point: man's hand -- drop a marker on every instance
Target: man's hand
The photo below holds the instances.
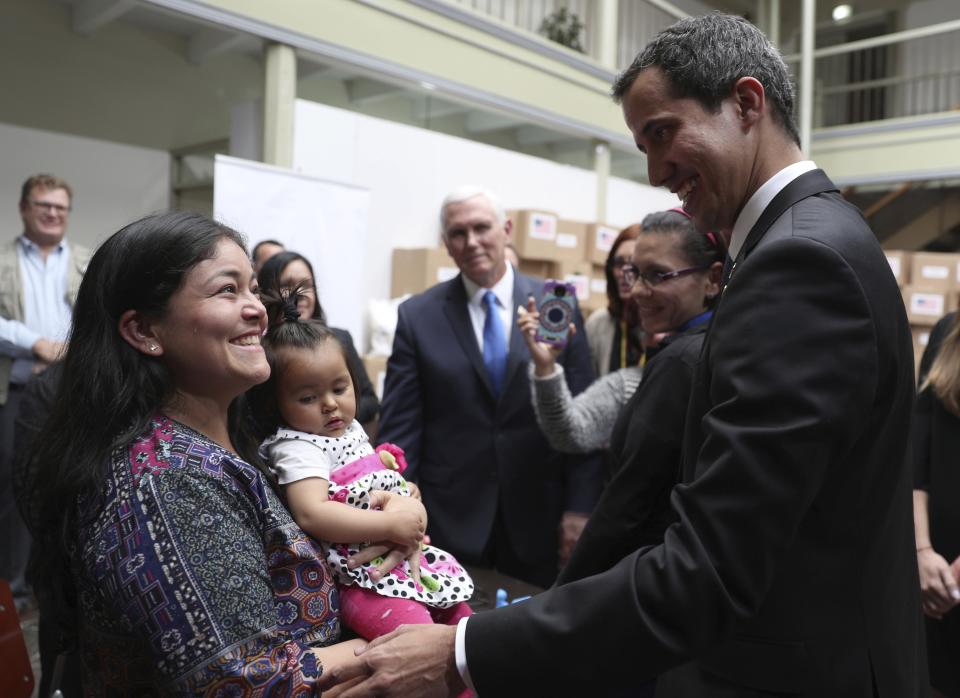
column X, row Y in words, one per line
column 414, row 661
column 571, row 526
column 47, row 350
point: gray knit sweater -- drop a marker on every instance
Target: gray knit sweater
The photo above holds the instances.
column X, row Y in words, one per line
column 583, row 423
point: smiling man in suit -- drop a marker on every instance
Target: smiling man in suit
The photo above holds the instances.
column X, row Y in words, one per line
column 790, row 569
column 457, row 399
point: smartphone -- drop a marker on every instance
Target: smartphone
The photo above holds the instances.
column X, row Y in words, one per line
column 556, row 312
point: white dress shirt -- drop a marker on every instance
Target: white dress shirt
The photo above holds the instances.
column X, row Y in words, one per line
column 503, row 290
column 761, row 198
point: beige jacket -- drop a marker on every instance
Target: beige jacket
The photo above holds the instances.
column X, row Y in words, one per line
column 11, row 294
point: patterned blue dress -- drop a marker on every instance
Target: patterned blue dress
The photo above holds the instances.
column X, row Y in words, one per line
column 193, row 579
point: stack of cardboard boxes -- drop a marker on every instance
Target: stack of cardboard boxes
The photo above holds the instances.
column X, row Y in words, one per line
column 930, row 282
column 549, row 247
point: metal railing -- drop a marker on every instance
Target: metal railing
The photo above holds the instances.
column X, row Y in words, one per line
column 528, row 14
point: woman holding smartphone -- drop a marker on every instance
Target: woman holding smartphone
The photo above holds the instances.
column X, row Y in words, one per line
column 674, row 279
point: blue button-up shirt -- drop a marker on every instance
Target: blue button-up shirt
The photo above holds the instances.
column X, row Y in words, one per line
column 46, row 312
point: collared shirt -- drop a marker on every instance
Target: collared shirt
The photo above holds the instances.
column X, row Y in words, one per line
column 503, row 290
column 46, row 312
column 761, row 198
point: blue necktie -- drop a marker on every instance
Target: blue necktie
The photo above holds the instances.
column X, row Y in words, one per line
column 494, row 343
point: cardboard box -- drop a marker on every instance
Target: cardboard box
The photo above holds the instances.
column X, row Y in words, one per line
column 578, row 274
column 417, row 269
column 927, row 304
column 600, row 237
column 598, row 288
column 900, row 261
column 535, row 234
column 376, row 367
column 934, row 270
column 537, row 268
column 571, row 240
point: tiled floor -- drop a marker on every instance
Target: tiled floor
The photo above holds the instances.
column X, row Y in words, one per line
column 29, row 625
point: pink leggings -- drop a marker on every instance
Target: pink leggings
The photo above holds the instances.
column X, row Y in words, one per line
column 371, row 615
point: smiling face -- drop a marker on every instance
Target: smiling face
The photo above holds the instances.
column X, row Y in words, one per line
column 476, row 240
column 44, row 215
column 706, row 158
column 297, row 272
column 315, row 391
column 671, row 303
column 209, row 335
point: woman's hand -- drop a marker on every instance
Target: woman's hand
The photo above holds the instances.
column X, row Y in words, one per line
column 544, row 355
column 938, row 586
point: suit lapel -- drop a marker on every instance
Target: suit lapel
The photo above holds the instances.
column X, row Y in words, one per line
column 455, row 308
column 519, row 354
column 806, row 185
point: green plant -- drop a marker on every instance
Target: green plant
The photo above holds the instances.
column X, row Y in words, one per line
column 564, row 27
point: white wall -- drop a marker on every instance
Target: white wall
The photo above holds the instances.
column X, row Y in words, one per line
column 112, row 184
column 408, row 171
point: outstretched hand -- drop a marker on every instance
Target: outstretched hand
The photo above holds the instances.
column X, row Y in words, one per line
column 414, row 661
column 544, row 355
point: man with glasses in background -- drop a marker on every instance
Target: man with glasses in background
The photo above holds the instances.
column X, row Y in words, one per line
column 39, row 278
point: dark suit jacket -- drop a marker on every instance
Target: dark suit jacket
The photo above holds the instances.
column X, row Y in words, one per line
column 791, row 568
column 469, row 451
column 646, row 447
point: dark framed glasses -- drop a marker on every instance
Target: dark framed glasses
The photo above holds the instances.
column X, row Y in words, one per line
column 654, row 278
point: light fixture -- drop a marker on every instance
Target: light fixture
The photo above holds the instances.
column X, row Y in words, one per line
column 842, row 12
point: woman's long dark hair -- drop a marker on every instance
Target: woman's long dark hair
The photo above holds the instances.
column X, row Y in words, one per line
column 108, row 390
column 272, row 270
column 615, row 304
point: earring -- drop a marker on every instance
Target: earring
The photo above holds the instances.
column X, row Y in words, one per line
column 153, row 347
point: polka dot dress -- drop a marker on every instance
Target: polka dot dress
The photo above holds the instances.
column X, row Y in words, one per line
column 444, row 582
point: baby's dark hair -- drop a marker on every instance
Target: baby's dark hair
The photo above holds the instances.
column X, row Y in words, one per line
column 287, row 331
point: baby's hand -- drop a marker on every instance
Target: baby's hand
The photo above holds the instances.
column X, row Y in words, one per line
column 408, row 521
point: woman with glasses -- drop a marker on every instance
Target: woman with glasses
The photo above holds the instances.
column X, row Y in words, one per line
column 674, row 279
column 613, row 333
column 290, row 269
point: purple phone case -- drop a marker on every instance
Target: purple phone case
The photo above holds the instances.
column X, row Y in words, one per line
column 556, row 312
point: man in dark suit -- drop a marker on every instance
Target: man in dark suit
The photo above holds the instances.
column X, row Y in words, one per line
column 790, row 570
column 457, row 399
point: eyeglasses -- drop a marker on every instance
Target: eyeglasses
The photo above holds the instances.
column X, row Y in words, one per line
column 654, row 278
column 619, row 262
column 56, row 208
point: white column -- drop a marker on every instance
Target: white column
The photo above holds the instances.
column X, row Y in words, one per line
column 279, row 93
column 806, row 74
column 606, row 23
column 774, row 19
column 601, row 165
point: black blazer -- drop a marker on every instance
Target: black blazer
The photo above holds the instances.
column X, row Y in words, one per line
column 645, row 452
column 791, row 567
column 470, row 452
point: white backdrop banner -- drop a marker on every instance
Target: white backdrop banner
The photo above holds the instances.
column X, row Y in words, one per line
column 324, row 221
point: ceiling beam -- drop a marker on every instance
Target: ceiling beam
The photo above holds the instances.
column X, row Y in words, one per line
column 427, row 107
column 482, row 122
column 364, row 91
column 886, row 200
column 210, row 43
column 537, row 135
column 91, row 15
